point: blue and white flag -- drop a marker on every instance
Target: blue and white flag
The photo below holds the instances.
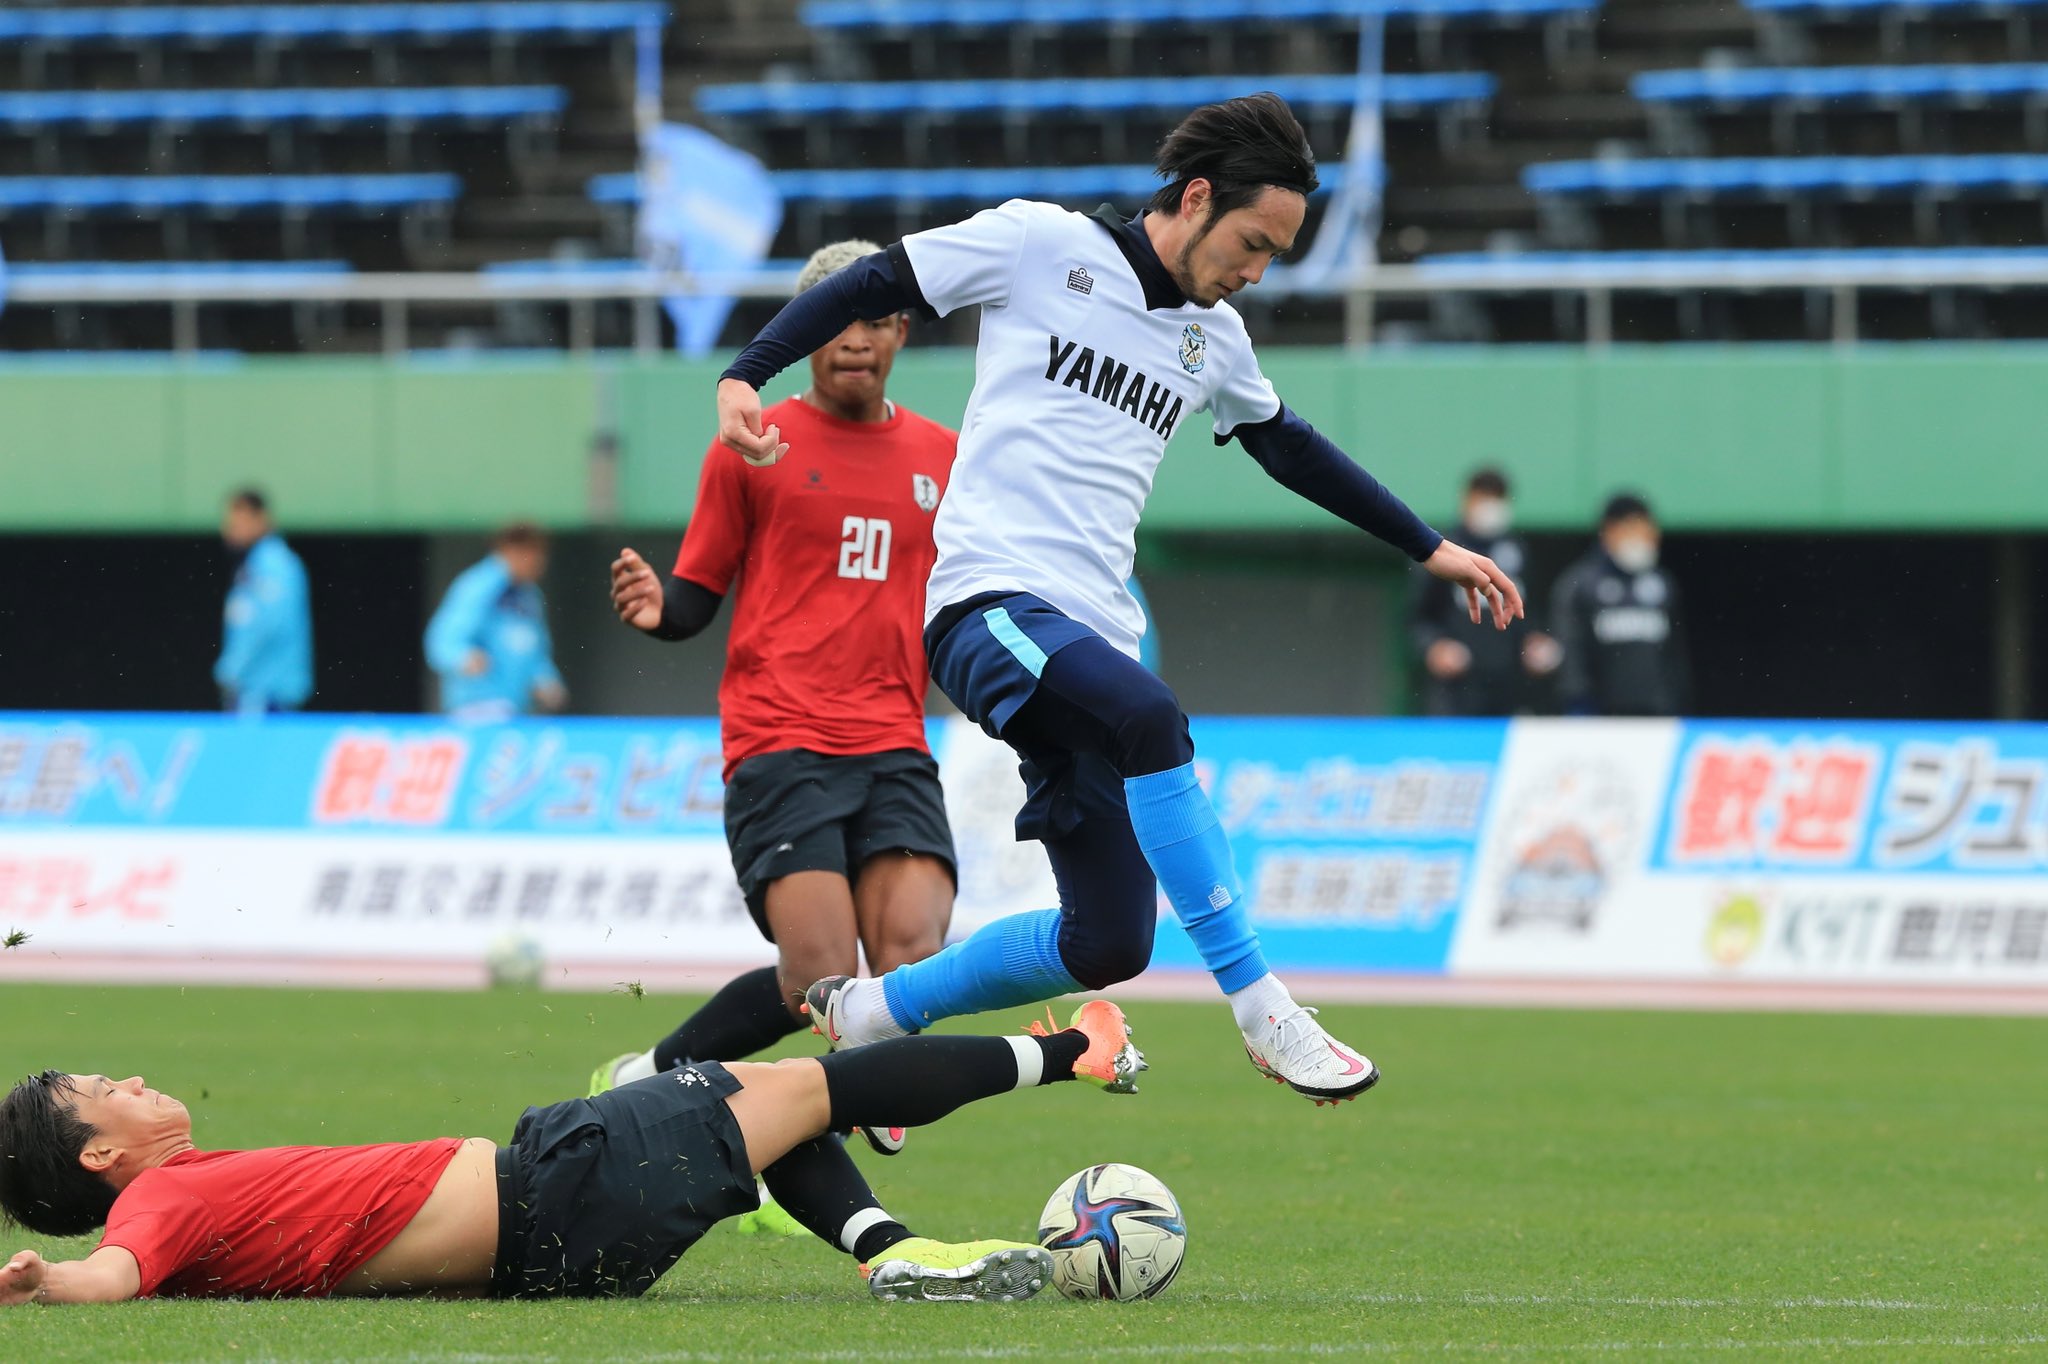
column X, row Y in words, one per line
column 1348, row 240
column 708, row 209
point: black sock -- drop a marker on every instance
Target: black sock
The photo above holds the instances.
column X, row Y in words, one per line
column 818, row 1184
column 744, row 1017
column 911, row 1081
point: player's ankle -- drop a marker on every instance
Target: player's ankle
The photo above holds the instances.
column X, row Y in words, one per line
column 1263, row 998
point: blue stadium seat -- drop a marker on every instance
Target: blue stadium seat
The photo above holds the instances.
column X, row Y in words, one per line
column 988, row 184
column 1874, row 6
column 224, row 194
column 606, row 266
column 53, row 108
column 216, row 23
column 1856, row 176
column 206, row 269
column 1530, row 265
column 1859, row 84
column 802, row 98
column 859, row 14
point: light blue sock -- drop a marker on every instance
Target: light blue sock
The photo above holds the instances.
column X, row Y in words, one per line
column 1183, row 840
column 1015, row 960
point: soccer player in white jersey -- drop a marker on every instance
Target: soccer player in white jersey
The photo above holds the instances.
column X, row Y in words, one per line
column 1099, row 336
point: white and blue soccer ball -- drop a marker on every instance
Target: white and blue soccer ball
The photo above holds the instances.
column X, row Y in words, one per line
column 515, row 962
column 1114, row 1232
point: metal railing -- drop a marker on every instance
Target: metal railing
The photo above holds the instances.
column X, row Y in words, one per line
column 397, row 294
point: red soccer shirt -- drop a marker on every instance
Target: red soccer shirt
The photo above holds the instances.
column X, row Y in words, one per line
column 282, row 1221
column 831, row 548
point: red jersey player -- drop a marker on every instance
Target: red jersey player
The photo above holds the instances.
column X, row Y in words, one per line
column 590, row 1198
column 833, row 809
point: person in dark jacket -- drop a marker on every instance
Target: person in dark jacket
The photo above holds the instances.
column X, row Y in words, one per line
column 1475, row 669
column 1617, row 615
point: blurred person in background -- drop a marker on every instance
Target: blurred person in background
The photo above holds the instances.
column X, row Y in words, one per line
column 1474, row 669
column 1616, row 614
column 833, row 808
column 266, row 654
column 489, row 640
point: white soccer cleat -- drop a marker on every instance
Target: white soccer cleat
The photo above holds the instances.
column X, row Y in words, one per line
column 825, row 1003
column 1291, row 1048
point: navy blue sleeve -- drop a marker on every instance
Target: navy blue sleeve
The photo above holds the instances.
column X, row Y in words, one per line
column 1303, row 460
column 871, row 287
column 686, row 608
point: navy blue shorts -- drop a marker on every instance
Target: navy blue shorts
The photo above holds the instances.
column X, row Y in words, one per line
column 987, row 654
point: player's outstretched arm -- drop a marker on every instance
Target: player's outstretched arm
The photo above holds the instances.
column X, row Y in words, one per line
column 1303, row 460
column 109, row 1274
column 868, row 288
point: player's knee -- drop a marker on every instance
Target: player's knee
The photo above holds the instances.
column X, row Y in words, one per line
column 901, row 944
column 1152, row 733
column 1098, row 961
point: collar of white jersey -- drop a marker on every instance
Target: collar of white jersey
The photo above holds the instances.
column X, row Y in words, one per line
column 1129, row 234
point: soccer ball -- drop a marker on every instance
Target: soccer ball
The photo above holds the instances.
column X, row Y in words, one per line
column 1114, row 1232
column 515, row 962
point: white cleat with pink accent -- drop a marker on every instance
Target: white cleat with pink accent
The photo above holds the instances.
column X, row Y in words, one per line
column 1291, row 1048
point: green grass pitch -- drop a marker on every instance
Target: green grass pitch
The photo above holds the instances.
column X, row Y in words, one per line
column 1522, row 1185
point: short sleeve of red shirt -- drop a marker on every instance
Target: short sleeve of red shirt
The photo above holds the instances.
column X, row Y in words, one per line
column 164, row 1227
column 716, row 540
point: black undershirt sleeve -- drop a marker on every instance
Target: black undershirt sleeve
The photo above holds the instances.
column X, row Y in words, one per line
column 870, row 288
column 686, row 608
column 1304, row 461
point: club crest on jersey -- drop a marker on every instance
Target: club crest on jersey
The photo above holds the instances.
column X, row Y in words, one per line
column 925, row 489
column 1194, row 348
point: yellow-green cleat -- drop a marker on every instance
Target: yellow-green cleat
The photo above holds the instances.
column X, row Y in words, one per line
column 923, row 1270
column 606, row 1076
column 770, row 1219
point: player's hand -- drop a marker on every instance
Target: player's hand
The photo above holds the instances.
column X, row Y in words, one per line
column 1446, row 659
column 475, row 663
column 739, row 425
column 21, row 1278
column 1481, row 578
column 551, row 696
column 636, row 591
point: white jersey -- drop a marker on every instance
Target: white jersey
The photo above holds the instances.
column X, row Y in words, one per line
column 1077, row 386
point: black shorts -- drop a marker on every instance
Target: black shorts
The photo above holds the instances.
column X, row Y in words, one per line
column 598, row 1197
column 795, row 810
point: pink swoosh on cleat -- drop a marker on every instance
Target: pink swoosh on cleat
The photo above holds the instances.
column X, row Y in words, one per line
column 1352, row 1065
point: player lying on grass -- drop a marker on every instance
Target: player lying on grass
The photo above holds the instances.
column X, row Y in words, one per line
column 1099, row 336
column 591, row 1198
column 833, row 809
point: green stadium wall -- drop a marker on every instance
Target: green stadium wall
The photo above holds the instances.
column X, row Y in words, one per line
column 1870, row 437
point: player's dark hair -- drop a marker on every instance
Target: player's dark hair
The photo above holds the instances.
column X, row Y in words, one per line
column 1487, row 482
column 42, row 1185
column 1240, row 147
column 520, row 535
column 250, row 498
column 1625, row 507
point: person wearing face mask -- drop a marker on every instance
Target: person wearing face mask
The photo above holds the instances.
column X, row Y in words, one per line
column 1472, row 669
column 266, row 655
column 1617, row 616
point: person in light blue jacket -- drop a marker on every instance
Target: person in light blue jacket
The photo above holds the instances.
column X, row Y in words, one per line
column 266, row 654
column 489, row 638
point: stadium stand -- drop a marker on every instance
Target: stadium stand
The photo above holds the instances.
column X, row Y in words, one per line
column 325, row 22
column 1775, row 135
